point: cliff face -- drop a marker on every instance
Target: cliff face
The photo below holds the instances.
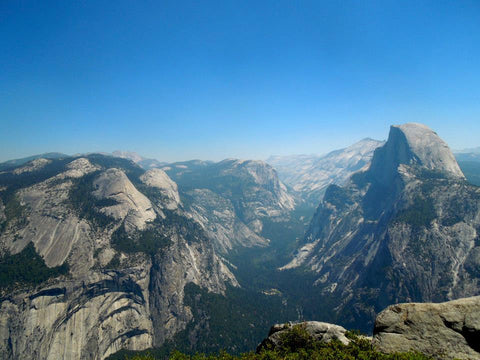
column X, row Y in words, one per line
column 129, row 248
column 406, row 229
column 83, row 319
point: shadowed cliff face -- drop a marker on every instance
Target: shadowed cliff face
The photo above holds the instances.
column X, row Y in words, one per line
column 406, row 229
column 77, row 320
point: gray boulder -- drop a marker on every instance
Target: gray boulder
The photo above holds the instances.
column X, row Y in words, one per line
column 319, row 331
column 449, row 330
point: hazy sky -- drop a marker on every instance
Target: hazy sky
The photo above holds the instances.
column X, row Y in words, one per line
column 177, row 80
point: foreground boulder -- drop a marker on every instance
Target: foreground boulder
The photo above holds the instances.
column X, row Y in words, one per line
column 319, row 331
column 449, row 330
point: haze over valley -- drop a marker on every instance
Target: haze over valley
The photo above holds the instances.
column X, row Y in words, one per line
column 174, row 248
column 241, row 180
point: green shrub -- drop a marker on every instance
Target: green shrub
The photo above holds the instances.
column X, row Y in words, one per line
column 295, row 339
column 298, row 344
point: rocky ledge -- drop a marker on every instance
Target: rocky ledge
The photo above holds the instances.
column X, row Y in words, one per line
column 319, row 331
column 449, row 330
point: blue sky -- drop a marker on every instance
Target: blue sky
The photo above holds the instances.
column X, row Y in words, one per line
column 178, row 80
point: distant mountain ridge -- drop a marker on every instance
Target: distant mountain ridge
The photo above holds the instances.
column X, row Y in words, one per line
column 17, row 162
column 310, row 175
column 475, row 150
column 468, row 155
column 145, row 163
column 462, row 157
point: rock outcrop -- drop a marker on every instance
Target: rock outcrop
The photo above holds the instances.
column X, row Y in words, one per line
column 159, row 180
column 413, row 145
column 49, row 222
column 129, row 203
column 184, row 262
column 32, row 166
column 449, row 330
column 218, row 218
column 263, row 187
column 319, row 331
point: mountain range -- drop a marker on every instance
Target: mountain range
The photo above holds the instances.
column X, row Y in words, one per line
column 104, row 252
column 310, row 175
column 107, row 248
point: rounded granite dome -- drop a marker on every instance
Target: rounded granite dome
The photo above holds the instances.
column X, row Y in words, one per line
column 430, row 150
column 413, row 144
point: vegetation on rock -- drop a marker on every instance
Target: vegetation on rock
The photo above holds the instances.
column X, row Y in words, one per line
column 420, row 213
column 14, row 212
column 81, row 198
column 27, row 267
column 298, row 344
column 148, row 241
